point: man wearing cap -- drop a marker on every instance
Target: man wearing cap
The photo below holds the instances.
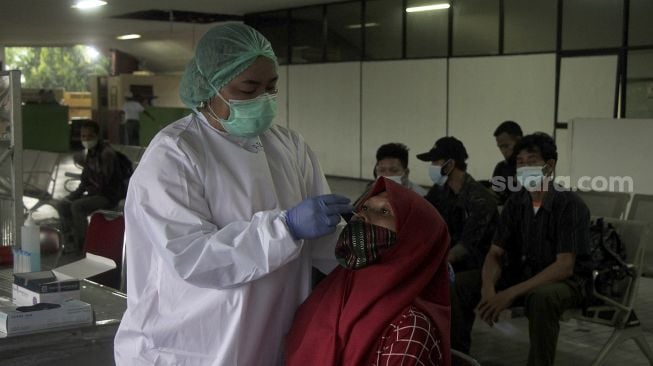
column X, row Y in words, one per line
column 469, row 209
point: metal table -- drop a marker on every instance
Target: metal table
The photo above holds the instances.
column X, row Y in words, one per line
column 75, row 346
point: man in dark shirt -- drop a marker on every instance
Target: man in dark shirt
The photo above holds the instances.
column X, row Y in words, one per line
column 507, row 135
column 101, row 187
column 469, row 209
column 544, row 235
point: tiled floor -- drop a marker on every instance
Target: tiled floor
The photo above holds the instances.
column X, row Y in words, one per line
column 507, row 343
column 578, row 343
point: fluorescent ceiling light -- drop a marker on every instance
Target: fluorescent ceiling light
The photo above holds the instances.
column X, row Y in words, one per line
column 89, row 4
column 129, row 36
column 416, row 9
column 367, row 25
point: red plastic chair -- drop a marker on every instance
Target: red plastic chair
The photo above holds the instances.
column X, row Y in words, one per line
column 104, row 237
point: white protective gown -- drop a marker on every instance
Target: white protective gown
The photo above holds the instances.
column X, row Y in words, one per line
column 214, row 276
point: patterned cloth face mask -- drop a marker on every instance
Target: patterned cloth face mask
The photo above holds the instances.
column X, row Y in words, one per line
column 360, row 244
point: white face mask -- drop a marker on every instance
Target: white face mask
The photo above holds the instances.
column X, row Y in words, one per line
column 397, row 178
column 89, row 144
column 531, row 177
column 435, row 172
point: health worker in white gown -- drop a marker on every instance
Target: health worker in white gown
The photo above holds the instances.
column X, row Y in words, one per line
column 225, row 216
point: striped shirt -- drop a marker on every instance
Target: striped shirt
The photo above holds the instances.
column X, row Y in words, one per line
column 532, row 240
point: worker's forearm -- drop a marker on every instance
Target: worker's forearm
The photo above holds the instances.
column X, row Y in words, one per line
column 556, row 271
column 491, row 271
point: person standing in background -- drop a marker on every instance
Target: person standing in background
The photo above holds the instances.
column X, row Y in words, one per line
column 130, row 127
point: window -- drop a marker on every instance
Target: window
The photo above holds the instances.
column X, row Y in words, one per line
column 344, row 36
column 641, row 23
column 639, row 84
column 475, row 27
column 427, row 32
column 307, row 41
column 274, row 26
column 529, row 26
column 383, row 29
column 591, row 24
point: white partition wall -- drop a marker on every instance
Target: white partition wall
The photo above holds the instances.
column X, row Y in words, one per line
column 282, row 97
column 563, row 166
column 347, row 110
column 403, row 101
column 485, row 91
column 587, row 86
column 325, row 108
column 609, row 154
column 587, row 89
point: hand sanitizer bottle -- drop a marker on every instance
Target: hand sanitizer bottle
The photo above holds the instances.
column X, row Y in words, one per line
column 31, row 243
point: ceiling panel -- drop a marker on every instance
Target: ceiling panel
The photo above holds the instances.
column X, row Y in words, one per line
column 164, row 47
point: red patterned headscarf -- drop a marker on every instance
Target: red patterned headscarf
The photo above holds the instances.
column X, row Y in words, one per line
column 342, row 321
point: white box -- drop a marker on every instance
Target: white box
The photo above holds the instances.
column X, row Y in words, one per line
column 16, row 320
column 58, row 285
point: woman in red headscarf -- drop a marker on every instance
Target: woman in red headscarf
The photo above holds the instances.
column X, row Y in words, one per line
column 388, row 302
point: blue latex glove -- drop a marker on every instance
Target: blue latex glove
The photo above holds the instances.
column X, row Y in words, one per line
column 317, row 216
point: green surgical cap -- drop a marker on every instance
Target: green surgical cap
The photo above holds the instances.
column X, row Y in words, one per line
column 221, row 54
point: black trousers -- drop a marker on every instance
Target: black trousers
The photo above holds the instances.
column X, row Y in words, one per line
column 543, row 307
column 130, row 132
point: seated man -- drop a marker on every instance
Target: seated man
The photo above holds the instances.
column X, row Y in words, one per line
column 392, row 163
column 101, row 187
column 469, row 209
column 544, row 233
column 507, row 135
column 387, row 302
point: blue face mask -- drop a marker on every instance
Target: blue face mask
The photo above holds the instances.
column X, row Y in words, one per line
column 435, row 172
column 530, row 177
column 248, row 118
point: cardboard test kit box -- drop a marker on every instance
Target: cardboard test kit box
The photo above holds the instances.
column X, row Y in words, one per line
column 17, row 320
column 58, row 285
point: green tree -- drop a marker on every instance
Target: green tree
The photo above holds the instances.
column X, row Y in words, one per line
column 56, row 67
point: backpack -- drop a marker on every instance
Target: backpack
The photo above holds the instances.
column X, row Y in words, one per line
column 125, row 169
column 608, row 257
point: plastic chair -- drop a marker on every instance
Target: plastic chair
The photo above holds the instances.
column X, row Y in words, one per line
column 641, row 209
column 105, row 237
column 39, row 175
column 619, row 314
column 606, row 204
